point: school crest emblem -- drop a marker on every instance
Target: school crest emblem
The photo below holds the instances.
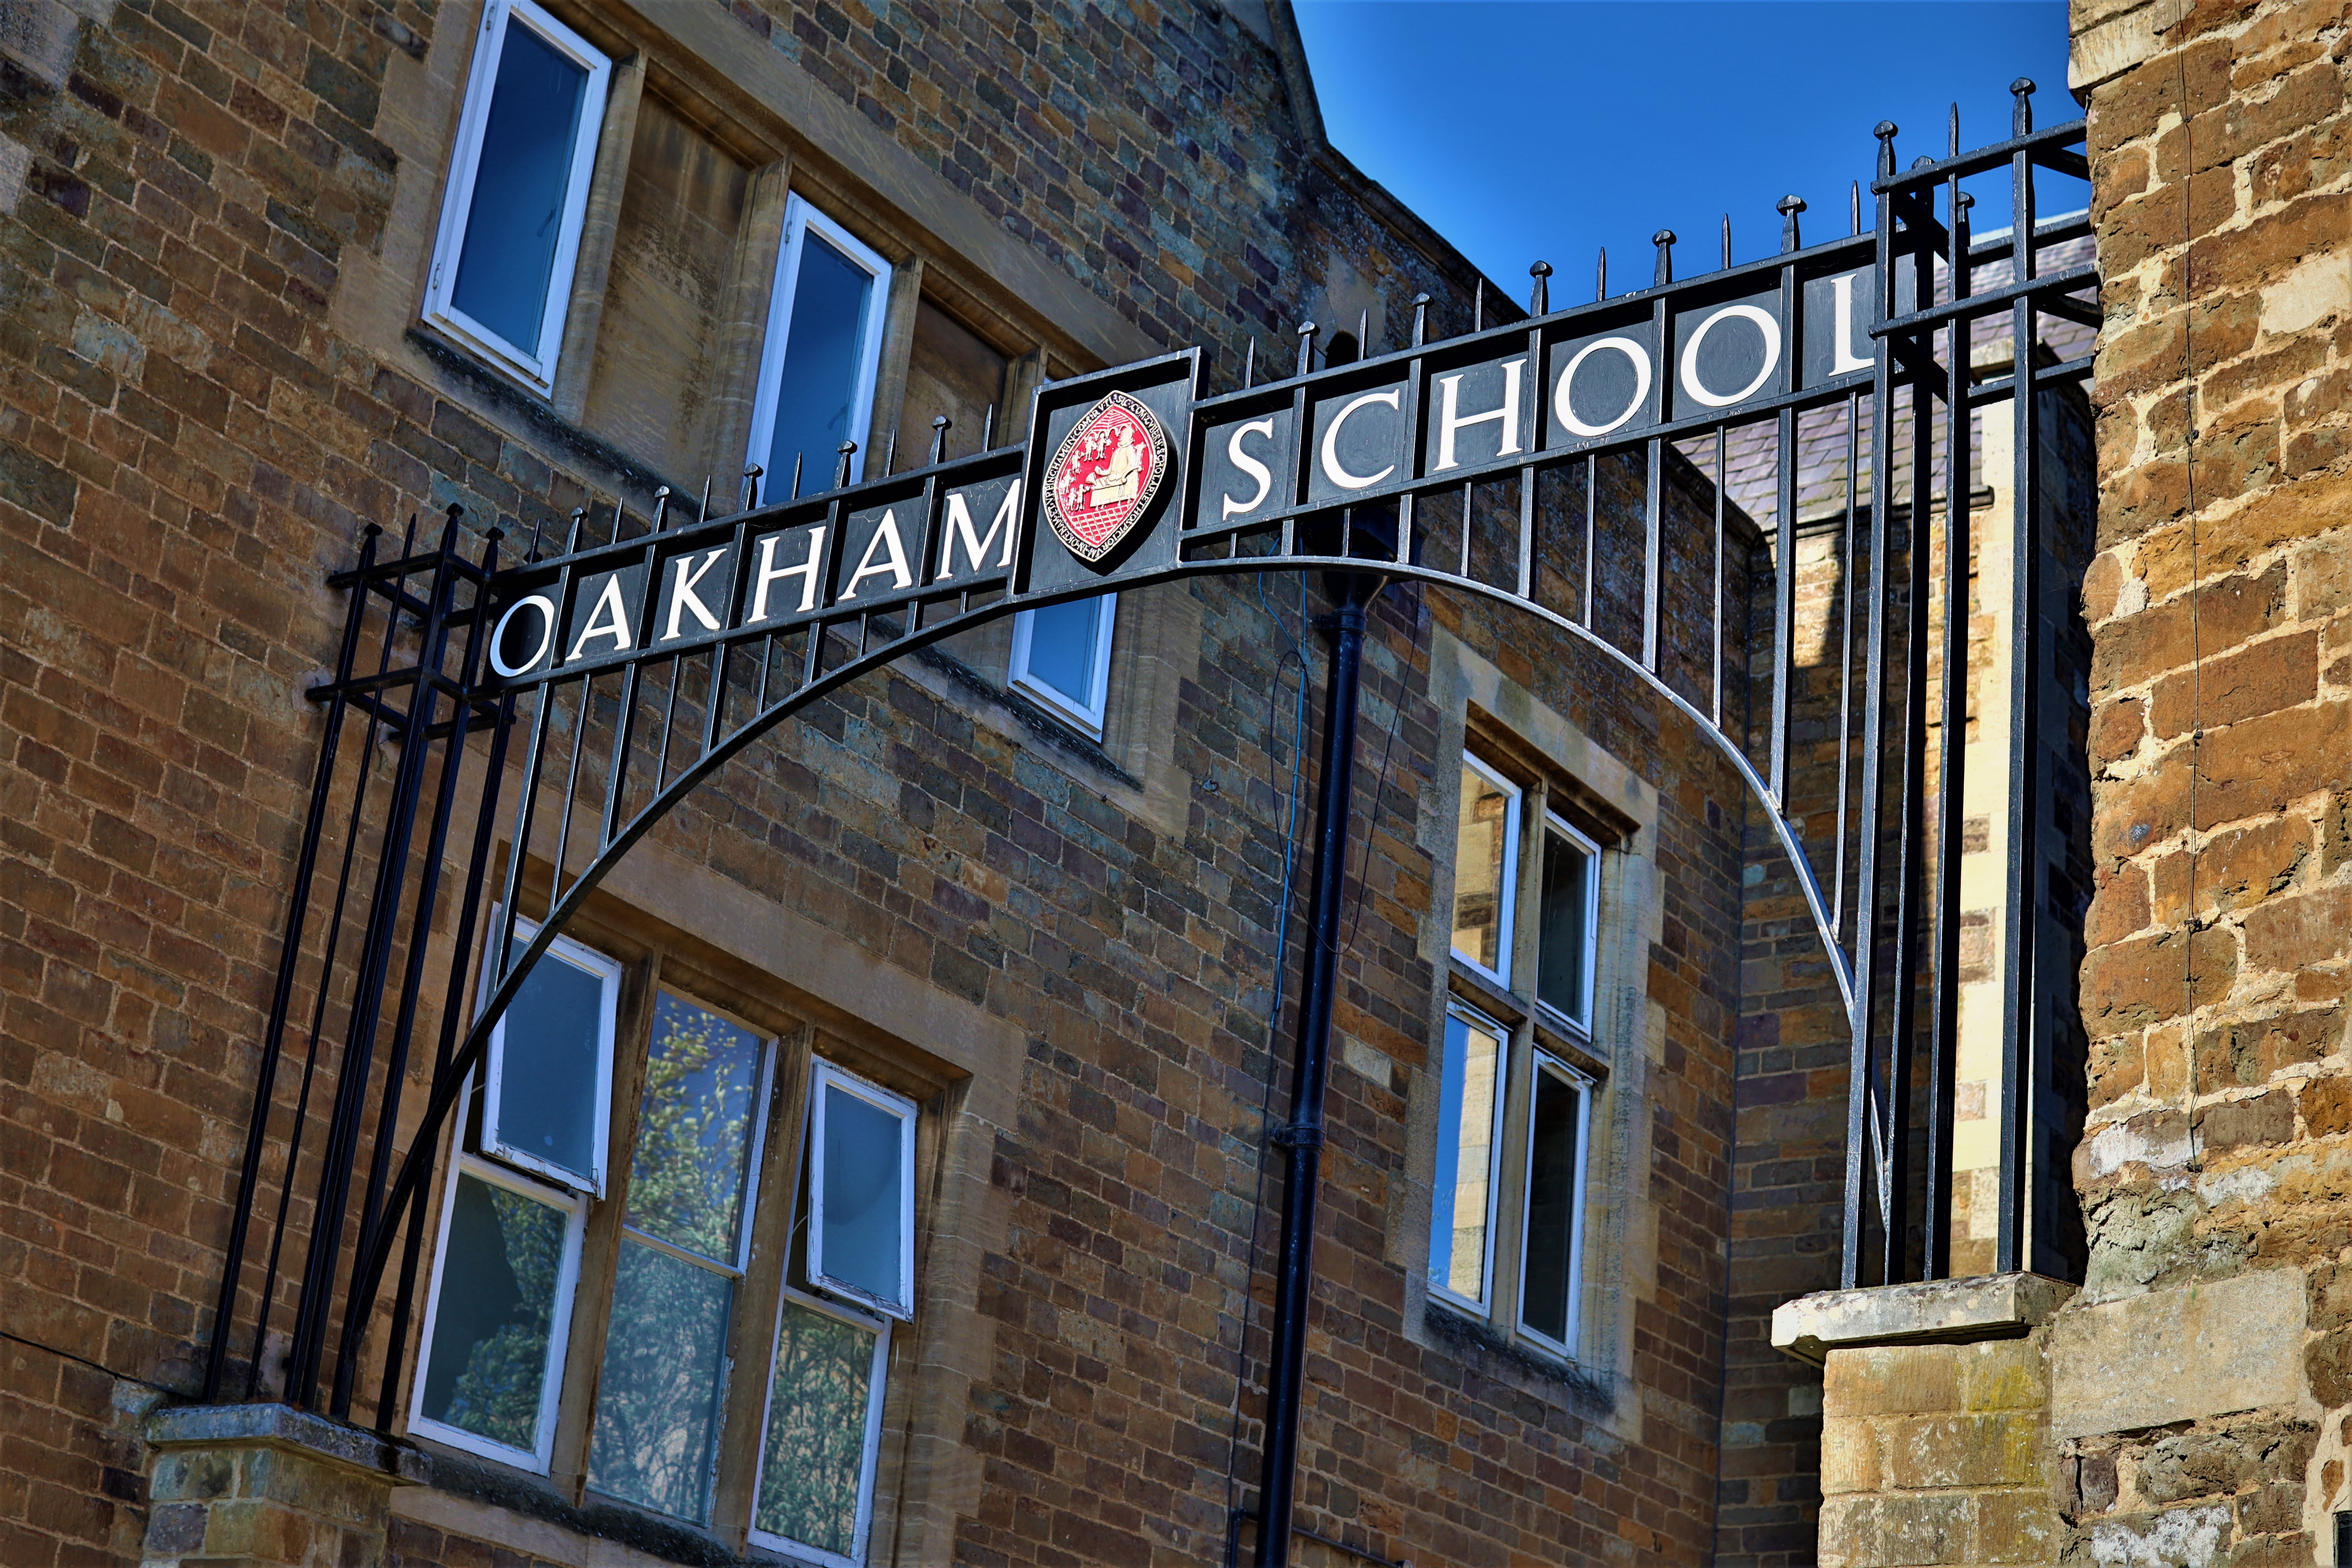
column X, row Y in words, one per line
column 1105, row 475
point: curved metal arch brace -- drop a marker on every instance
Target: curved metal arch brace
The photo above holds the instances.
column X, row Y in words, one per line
column 375, row 1254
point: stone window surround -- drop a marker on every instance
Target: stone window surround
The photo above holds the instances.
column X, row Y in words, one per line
column 817, row 995
column 942, row 245
column 1484, row 711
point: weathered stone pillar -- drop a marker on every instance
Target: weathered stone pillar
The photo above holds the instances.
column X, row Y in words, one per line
column 266, row 1485
column 1936, row 1446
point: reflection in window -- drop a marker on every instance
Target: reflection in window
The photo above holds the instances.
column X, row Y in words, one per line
column 500, row 1295
column 511, row 220
column 1486, row 856
column 1564, row 946
column 1061, row 656
column 1469, row 1102
column 550, row 1066
column 682, row 1247
column 1555, row 1171
column 861, row 1186
column 824, row 339
column 824, row 1405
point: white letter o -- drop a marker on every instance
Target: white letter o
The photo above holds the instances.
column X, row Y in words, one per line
column 1565, row 409
column 546, row 607
column 1765, row 324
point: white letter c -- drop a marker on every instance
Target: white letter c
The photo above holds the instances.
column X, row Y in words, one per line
column 1339, row 476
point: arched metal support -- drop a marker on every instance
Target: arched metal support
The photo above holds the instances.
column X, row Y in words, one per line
column 1477, row 464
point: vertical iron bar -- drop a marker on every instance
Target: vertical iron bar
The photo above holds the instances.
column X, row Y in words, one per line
column 1894, row 1181
column 1861, row 1124
column 433, row 650
column 1943, row 1023
column 1591, row 496
column 1845, row 661
column 359, row 1049
column 1715, row 616
column 281, row 996
column 2021, row 1015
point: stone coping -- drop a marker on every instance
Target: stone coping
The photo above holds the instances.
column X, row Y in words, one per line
column 1945, row 1312
column 281, row 1426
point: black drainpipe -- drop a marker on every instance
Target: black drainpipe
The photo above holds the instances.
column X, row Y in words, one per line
column 1301, row 1138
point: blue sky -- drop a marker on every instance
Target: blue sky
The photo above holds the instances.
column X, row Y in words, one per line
column 1527, row 128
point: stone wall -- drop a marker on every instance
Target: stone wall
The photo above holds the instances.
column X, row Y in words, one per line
column 2213, row 991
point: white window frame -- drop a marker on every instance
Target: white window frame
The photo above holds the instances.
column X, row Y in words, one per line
column 1581, row 1028
column 800, row 217
column 873, row 1445
column 1507, row 889
column 1546, row 1062
column 826, row 1075
column 533, row 363
column 567, row 1280
column 1059, row 703
column 1479, row 1305
column 608, row 971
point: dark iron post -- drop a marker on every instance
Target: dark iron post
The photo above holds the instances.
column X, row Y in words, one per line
column 1301, row 1138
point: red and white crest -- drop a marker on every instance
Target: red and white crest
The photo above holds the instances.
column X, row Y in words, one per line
column 1105, row 475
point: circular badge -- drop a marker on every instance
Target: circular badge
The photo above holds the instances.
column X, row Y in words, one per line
column 1104, row 476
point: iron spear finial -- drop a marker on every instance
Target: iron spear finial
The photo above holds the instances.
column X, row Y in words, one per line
column 847, row 450
column 1665, row 241
column 940, row 425
column 1789, row 207
column 1540, row 299
column 751, row 473
column 1420, row 320
column 2022, row 116
column 1601, row 276
column 1884, row 131
column 1307, row 330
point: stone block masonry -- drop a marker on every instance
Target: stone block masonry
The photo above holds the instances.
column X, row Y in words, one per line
column 2212, row 1166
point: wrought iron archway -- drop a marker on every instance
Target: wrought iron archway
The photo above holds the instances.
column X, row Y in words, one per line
column 1473, row 463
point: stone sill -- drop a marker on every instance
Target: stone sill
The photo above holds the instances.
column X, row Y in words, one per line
column 282, row 1427
column 1934, row 1312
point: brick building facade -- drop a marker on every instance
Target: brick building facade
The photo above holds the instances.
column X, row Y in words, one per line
column 1026, row 899
column 1034, row 914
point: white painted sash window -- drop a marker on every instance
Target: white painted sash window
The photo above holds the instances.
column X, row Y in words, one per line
column 821, row 1430
column 518, row 190
column 1486, row 870
column 500, row 1306
column 1469, row 1151
column 1515, row 1077
column 1061, row 659
column 861, row 1212
column 547, row 1092
column 823, row 348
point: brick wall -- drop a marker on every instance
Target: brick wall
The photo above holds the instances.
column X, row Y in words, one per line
column 189, row 443
column 2213, row 989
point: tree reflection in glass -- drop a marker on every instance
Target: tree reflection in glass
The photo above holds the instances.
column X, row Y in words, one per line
column 657, row 1402
column 813, row 1460
column 486, row 1371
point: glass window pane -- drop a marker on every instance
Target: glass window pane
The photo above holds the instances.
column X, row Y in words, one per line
column 1063, row 640
column 656, row 1403
column 550, row 1049
column 812, row 1464
column 694, row 1129
column 1562, row 964
column 864, row 1200
column 1465, row 1158
column 487, row 1370
column 1482, row 848
column 514, row 226
column 1552, row 1156
column 824, row 347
